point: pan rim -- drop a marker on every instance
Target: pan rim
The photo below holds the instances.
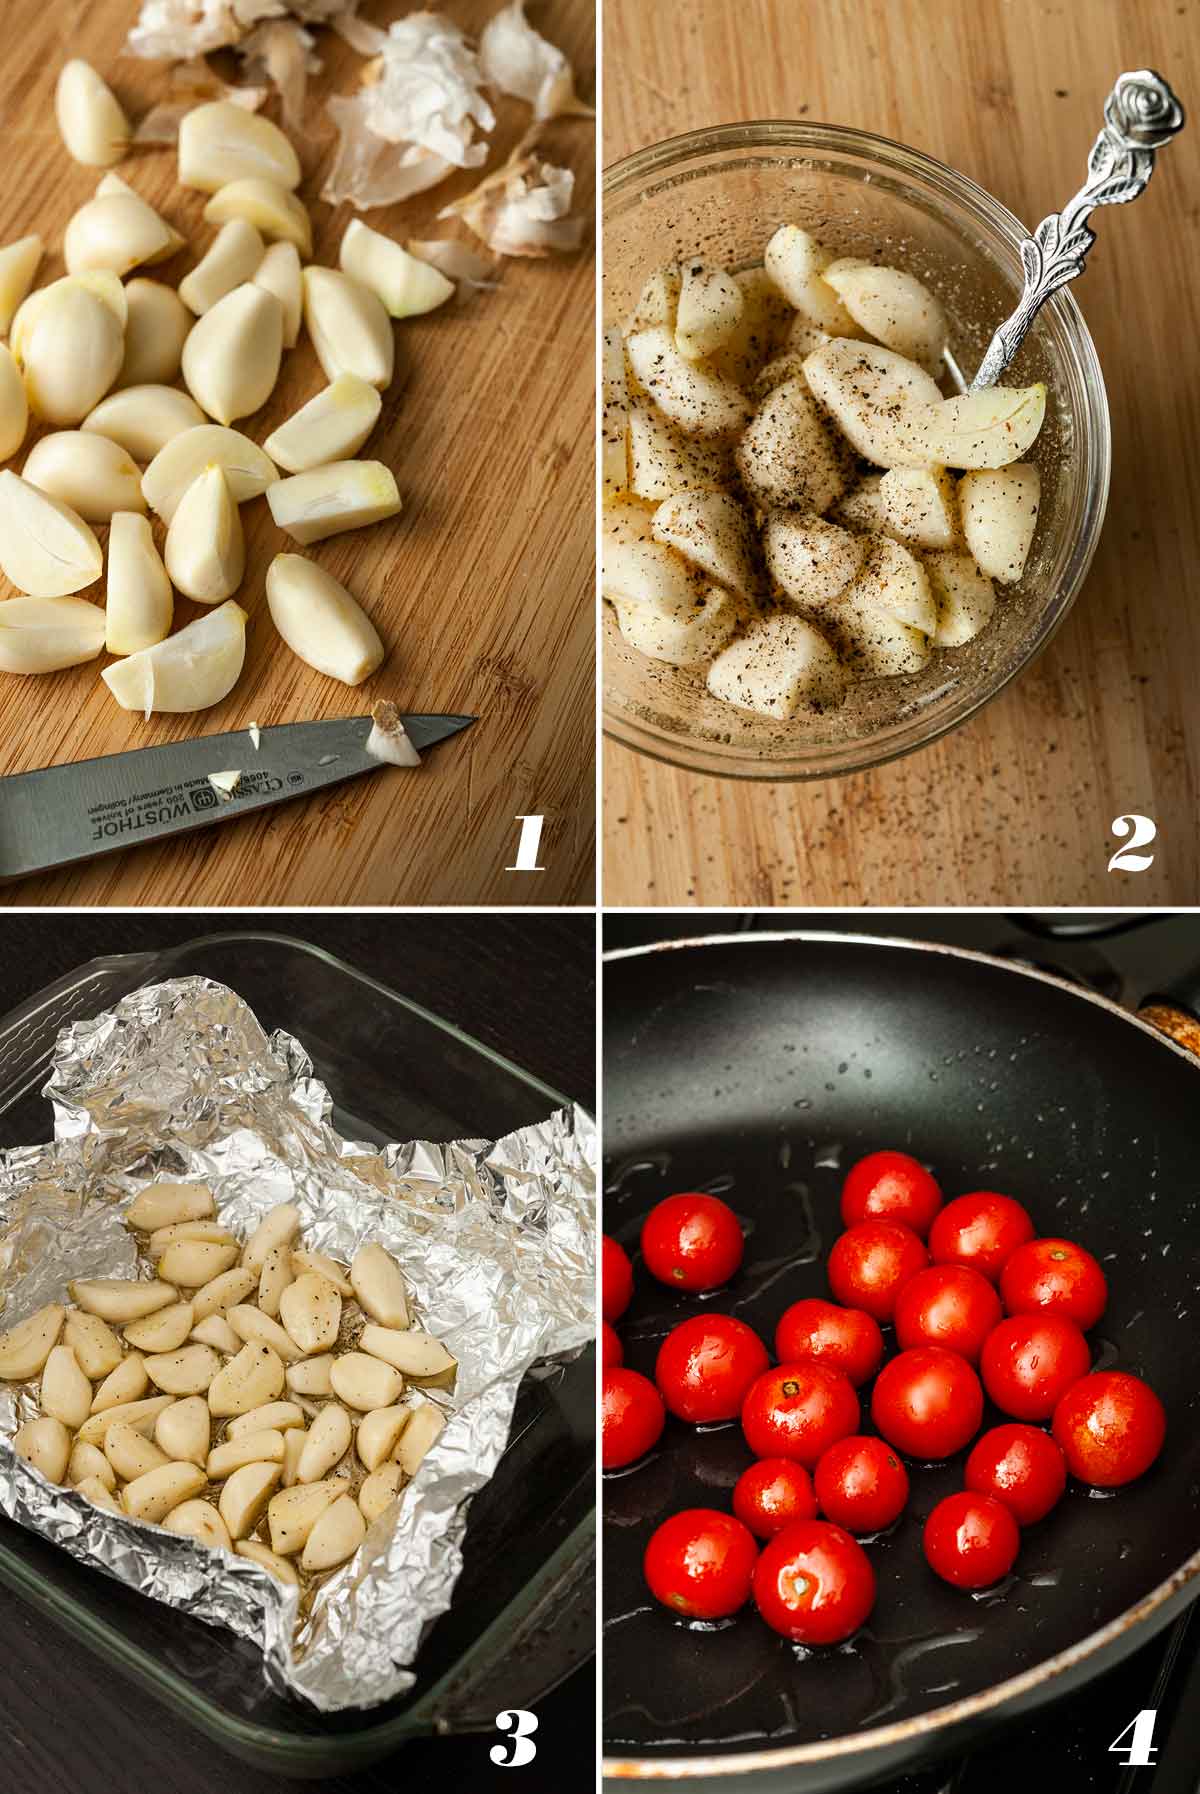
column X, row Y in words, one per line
column 971, row 1706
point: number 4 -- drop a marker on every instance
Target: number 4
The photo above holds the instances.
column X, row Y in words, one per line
column 1140, row 1735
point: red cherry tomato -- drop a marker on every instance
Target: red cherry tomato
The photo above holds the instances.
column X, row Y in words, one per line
column 982, row 1230
column 700, row 1563
column 1021, row 1467
column 871, row 1263
column 846, row 1339
column 814, row 1583
column 890, row 1186
column 692, row 1241
column 616, row 1280
column 947, row 1305
column 632, row 1417
column 1030, row 1360
column 771, row 1494
column 798, row 1411
column 612, row 1352
column 705, row 1366
column 861, row 1484
column 1055, row 1277
column 1111, row 1427
column 971, row 1540
column 927, row 1402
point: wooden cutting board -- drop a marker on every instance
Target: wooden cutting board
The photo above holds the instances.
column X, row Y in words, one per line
column 481, row 589
column 1015, row 808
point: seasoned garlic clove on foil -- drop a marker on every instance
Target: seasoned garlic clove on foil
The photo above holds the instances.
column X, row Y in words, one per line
column 311, row 1310
column 189, row 1371
column 154, row 1494
column 379, row 1434
column 378, row 1282
column 119, row 1298
column 336, row 1536
column 378, row 1491
column 199, row 1520
column 327, row 1443
column 99, row 1494
column 248, row 1381
column 220, row 142
column 311, row 1376
column 161, row 1332
column 88, row 1460
column 292, row 1513
column 260, row 1554
column 364, row 1382
column 250, row 1324
column 277, row 1228
column 214, row 1330
column 66, row 1393
column 130, row 1453
column 264, row 1447
column 307, row 1260
column 166, row 1205
column 283, row 1416
column 95, row 1345
column 409, row 1350
column 140, row 1415
column 294, row 1441
column 193, row 1263
column 274, row 1278
column 422, row 1431
column 46, row 1445
column 25, row 1348
column 223, row 1292
column 127, row 1383
column 90, row 120
column 184, row 1430
column 211, row 1231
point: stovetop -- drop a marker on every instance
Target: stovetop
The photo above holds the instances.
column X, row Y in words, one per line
column 1125, row 956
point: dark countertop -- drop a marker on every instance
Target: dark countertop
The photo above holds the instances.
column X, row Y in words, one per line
column 71, row 1722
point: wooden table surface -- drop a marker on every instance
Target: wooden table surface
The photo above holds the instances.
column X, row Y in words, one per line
column 481, row 589
column 1016, row 807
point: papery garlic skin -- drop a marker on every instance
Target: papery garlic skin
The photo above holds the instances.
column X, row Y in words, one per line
column 91, row 122
column 139, row 602
column 320, row 621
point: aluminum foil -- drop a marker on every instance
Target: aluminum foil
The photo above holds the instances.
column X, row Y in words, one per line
column 496, row 1242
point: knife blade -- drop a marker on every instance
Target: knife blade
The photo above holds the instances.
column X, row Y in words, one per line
column 61, row 814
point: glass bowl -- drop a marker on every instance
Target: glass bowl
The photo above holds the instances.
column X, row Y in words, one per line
column 720, row 194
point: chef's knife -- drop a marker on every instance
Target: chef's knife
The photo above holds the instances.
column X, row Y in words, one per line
column 66, row 813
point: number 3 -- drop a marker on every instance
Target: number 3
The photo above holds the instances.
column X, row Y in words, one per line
column 1127, row 859
column 520, row 1724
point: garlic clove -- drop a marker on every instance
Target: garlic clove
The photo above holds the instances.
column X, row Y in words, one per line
column 311, row 1375
column 130, row 1453
column 191, row 670
column 278, row 1227
column 274, row 1278
column 98, row 1493
column 306, row 1259
column 282, row 1417
column 230, row 260
column 184, row 1429
column 69, row 342
column 87, row 1461
column 248, row 1381
column 311, row 1310
column 91, row 122
column 405, row 286
column 364, row 1383
column 25, row 1348
column 153, row 1495
column 206, row 550
column 199, row 1520
column 193, row 1263
column 327, row 1443
column 214, row 1330
column 143, row 419
column 248, row 470
column 119, row 1298
column 42, row 635
column 46, row 1445
column 379, row 1433
column 94, row 1344
column 156, row 328
column 250, row 1324
column 271, row 208
column 163, row 1331
column 263, row 1447
column 328, row 500
column 65, row 1392
column 350, row 330
column 14, row 405
column 292, row 1513
column 279, row 272
column 336, row 1536
column 422, row 1432
column 126, row 1382
column 231, row 357
column 230, row 1287
column 18, row 265
column 220, row 142
column 260, row 1554
column 321, row 622
column 139, row 602
column 407, row 1349
column 378, row 1491
column 332, row 426
column 89, row 472
column 378, row 1283
column 189, row 1371
column 117, row 231
column 139, row 1415
column 169, row 1205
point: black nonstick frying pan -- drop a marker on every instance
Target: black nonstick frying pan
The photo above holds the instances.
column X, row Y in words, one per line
column 760, row 1066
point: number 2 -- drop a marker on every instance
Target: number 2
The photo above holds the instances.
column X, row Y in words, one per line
column 519, row 1724
column 1141, row 1745
column 1127, row 859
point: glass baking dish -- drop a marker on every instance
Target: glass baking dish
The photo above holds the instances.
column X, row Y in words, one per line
column 522, row 1617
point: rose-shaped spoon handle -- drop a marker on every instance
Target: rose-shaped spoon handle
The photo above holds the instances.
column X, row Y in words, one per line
column 1141, row 114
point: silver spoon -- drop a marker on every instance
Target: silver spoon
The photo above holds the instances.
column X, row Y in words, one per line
column 1141, row 114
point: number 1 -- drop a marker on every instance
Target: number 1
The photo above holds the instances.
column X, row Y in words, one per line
column 527, row 846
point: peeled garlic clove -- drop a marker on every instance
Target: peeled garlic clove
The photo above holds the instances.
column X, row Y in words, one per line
column 127, row 1383
column 378, row 1282
column 327, row 1443
column 305, row 1260
column 331, row 427
column 117, row 231
column 156, row 329
column 119, row 1298
column 230, row 260
column 40, row 635
column 66, row 1394
column 320, row 621
column 259, row 1554
column 91, row 474
column 169, row 1205
column 328, row 500
column 231, row 357
column 254, row 1377
column 282, row 1417
column 294, row 1442
column 221, row 1294
column 379, row 1433
column 161, row 1332
column 279, row 273
column 90, row 120
column 141, row 1416
column 350, row 330
column 14, row 406
column 177, row 466
column 46, row 549
column 94, row 1344
column 378, row 1491
column 272, row 209
column 210, row 1231
column 88, row 1461
column 311, row 1310
column 409, row 1350
column 277, row 1228
column 189, row 1371
column 215, row 1330
column 25, row 1348
column 189, row 671
column 139, row 601
column 130, row 1454
column 46, row 1445
column 199, row 1520
column 192, row 1263
column 364, row 1382
column 987, row 429
column 143, row 419
column 425, row 1427
column 336, row 1536
column 311, row 1375
column 275, row 1276
column 184, row 1429
column 405, row 286
column 206, row 550
column 221, row 142
column 250, row 1324
column 18, row 265
column 69, row 347
column 265, row 1447
column 98, row 1493
column 154, row 1494
column 292, row 1513
column 100, row 283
